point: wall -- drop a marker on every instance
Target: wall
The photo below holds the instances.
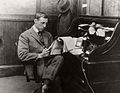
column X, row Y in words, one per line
column 101, row 7
column 111, row 8
column 95, row 7
column 9, row 32
column 25, row 7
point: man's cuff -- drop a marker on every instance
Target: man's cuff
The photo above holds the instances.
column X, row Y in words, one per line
column 40, row 56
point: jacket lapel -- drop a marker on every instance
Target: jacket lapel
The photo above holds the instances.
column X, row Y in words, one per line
column 35, row 36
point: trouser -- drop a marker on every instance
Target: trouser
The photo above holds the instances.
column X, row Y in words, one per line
column 52, row 66
column 50, row 75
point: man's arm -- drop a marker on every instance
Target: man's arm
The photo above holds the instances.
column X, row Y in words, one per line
column 23, row 49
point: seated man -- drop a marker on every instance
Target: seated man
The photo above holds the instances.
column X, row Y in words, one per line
column 33, row 49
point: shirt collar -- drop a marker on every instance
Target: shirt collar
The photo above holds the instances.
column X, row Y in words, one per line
column 35, row 29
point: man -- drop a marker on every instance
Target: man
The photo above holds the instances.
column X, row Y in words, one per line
column 33, row 48
column 65, row 17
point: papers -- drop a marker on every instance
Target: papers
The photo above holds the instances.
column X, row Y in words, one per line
column 81, row 25
column 72, row 45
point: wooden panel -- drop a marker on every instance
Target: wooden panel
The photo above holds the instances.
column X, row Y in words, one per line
column 11, row 70
column 109, row 87
column 104, row 78
column 103, row 72
column 1, row 44
column 11, row 32
column 111, row 7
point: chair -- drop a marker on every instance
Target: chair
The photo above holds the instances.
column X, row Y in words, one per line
column 31, row 72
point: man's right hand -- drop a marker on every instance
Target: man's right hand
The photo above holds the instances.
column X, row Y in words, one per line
column 44, row 53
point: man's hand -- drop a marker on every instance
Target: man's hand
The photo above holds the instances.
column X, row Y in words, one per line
column 44, row 53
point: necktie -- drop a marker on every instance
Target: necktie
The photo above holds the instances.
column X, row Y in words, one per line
column 41, row 38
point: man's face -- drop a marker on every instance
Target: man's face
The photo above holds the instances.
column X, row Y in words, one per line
column 41, row 23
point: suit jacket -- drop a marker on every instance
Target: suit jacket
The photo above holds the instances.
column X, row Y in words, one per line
column 29, row 45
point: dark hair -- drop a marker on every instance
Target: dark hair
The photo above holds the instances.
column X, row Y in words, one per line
column 40, row 14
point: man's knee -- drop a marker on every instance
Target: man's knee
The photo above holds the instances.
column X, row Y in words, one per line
column 59, row 58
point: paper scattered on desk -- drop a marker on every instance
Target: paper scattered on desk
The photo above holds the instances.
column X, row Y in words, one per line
column 81, row 25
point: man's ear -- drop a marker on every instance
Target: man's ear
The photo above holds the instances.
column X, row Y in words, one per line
column 35, row 20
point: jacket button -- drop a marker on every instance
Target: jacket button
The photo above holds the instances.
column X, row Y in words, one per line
column 83, row 81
